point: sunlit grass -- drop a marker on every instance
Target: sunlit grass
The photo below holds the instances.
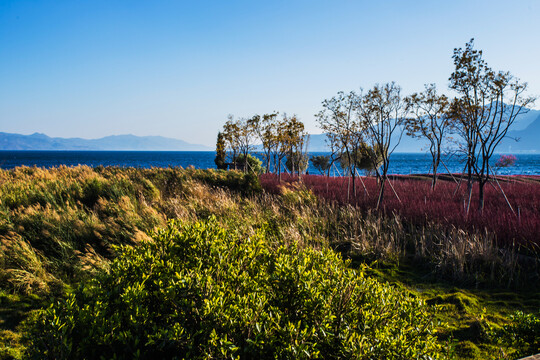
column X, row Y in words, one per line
column 59, row 227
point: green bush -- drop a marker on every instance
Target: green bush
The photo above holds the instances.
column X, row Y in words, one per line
column 321, row 163
column 254, row 164
column 198, row 291
column 523, row 333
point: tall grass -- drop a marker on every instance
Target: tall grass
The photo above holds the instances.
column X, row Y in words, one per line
column 473, row 250
column 60, row 225
column 447, row 205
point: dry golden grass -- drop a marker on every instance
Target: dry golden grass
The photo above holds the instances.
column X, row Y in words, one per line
column 22, row 267
column 61, row 225
column 64, row 222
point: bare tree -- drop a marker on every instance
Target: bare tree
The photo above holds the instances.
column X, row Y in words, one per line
column 430, row 121
column 339, row 120
column 265, row 129
column 486, row 108
column 335, row 149
column 293, row 137
column 383, row 110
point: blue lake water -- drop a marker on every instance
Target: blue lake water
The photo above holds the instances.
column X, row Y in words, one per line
column 402, row 163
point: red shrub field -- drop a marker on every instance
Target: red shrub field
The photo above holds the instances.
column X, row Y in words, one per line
column 418, row 203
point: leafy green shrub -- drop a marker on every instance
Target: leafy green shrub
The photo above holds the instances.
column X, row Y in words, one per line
column 198, row 291
column 252, row 163
column 523, row 333
column 321, row 163
column 365, row 158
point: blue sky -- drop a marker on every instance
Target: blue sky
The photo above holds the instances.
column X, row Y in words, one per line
column 176, row 68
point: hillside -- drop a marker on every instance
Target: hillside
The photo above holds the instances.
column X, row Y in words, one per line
column 527, row 139
column 39, row 141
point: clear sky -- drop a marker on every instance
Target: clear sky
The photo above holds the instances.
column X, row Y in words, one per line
column 177, row 68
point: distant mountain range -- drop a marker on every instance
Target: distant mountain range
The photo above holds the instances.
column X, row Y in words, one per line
column 528, row 139
column 526, row 130
column 39, row 141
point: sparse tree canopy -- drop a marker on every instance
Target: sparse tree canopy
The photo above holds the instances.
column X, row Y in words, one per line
column 266, row 129
column 383, row 110
column 239, row 136
column 487, row 106
column 297, row 161
column 231, row 135
column 281, row 139
column 291, row 137
column 339, row 120
column 429, row 121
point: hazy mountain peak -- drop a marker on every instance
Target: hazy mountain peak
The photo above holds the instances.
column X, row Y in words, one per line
column 38, row 141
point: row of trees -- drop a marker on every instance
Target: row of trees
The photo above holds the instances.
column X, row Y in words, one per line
column 282, row 142
column 364, row 128
column 361, row 126
column 486, row 105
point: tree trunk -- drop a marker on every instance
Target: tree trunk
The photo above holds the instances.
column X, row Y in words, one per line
column 353, row 174
column 267, row 170
column 434, row 179
column 469, row 177
column 348, row 187
column 436, row 161
column 481, row 184
column 381, row 192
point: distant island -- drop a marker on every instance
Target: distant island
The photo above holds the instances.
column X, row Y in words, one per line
column 39, row 141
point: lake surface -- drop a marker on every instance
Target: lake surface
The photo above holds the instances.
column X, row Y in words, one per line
column 402, row 163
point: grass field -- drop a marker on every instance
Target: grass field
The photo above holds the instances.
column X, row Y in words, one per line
column 59, row 228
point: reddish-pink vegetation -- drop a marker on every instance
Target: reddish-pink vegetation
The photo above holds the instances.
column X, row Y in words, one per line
column 419, row 203
column 505, row 161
